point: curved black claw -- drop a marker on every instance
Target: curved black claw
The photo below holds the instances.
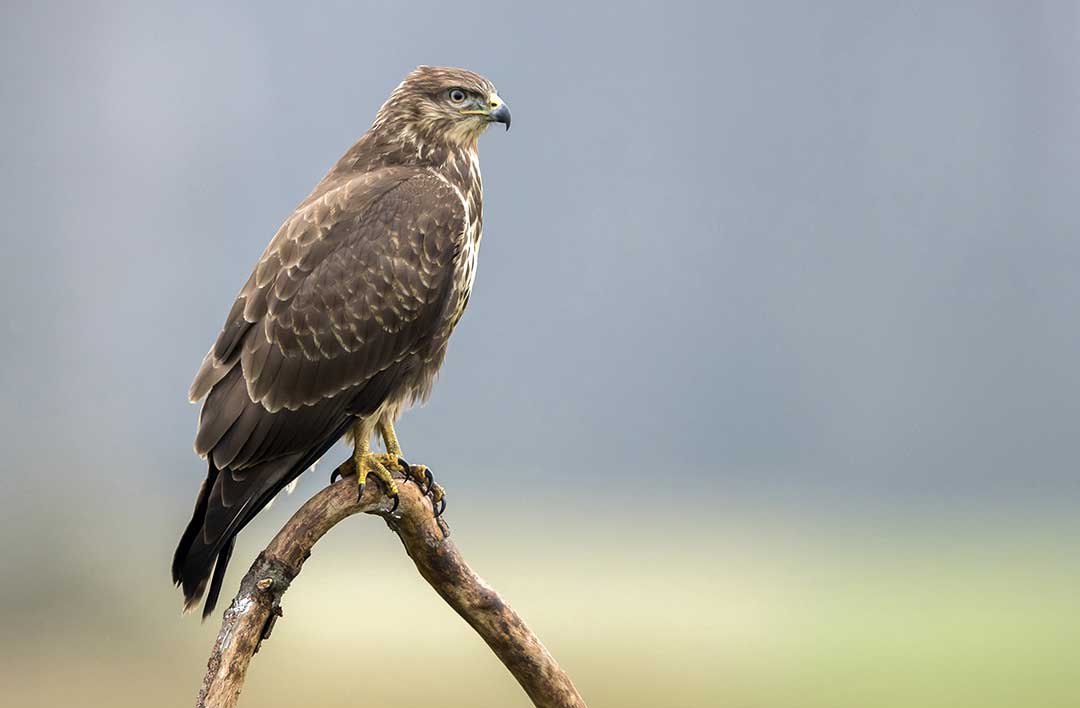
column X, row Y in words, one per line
column 359, row 491
column 441, row 504
column 429, row 478
column 405, row 466
column 390, row 492
column 339, row 471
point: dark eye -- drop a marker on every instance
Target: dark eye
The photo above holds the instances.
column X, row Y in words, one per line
column 457, row 96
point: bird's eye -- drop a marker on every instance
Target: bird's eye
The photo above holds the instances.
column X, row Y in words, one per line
column 457, row 96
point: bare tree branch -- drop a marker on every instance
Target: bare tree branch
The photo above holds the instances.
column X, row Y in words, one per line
column 258, row 604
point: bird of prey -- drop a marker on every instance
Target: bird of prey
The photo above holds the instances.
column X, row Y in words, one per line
column 345, row 319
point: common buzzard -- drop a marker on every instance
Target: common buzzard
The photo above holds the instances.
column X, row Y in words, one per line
column 345, row 319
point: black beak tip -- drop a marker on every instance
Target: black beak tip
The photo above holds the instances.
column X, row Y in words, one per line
column 502, row 115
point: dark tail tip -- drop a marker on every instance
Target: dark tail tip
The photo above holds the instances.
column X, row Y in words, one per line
column 201, row 569
column 219, row 576
column 193, row 560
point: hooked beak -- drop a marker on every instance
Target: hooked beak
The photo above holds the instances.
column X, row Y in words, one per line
column 500, row 112
column 497, row 111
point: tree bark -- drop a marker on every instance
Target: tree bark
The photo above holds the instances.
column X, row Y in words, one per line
column 257, row 605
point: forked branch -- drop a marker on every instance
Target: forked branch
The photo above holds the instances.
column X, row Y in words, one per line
column 257, row 606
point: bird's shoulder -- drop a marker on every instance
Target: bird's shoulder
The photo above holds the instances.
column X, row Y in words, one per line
column 347, row 206
column 369, row 226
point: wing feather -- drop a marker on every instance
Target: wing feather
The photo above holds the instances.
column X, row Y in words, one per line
column 351, row 285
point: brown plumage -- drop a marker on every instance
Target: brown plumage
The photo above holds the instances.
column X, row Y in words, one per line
column 346, row 315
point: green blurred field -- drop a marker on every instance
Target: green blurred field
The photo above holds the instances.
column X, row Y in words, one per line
column 684, row 607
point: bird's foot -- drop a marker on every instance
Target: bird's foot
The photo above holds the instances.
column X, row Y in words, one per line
column 421, row 474
column 382, row 465
column 369, row 464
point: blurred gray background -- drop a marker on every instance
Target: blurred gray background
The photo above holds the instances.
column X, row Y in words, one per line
column 796, row 260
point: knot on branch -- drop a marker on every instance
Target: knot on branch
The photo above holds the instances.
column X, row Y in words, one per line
column 269, row 575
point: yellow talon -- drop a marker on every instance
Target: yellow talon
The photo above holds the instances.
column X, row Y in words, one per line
column 383, row 465
column 370, row 464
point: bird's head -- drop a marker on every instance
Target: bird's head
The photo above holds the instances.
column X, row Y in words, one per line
column 441, row 104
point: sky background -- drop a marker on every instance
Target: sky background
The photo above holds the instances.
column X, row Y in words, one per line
column 792, row 283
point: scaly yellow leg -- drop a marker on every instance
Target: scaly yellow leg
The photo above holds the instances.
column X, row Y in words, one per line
column 389, row 436
column 394, row 458
column 364, row 462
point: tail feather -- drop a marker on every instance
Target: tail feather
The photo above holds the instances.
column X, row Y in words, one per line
column 252, row 454
column 194, row 529
column 219, row 575
column 207, row 543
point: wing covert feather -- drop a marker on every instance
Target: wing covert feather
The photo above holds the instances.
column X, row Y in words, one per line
column 351, row 284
